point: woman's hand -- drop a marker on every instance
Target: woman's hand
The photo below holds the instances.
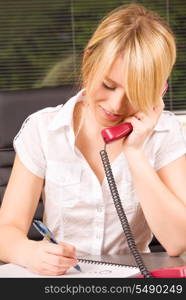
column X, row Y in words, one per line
column 45, row 258
column 143, row 125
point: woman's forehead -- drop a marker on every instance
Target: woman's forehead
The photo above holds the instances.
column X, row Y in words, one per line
column 115, row 73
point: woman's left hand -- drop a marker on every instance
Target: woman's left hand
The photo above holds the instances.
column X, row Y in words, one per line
column 143, row 125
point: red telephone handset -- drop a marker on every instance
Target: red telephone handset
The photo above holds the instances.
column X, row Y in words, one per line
column 111, row 134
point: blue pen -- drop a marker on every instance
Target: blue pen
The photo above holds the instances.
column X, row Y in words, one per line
column 48, row 235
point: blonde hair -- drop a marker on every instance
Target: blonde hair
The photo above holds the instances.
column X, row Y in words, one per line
column 147, row 47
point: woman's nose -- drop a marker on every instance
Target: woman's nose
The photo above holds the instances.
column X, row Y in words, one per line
column 117, row 102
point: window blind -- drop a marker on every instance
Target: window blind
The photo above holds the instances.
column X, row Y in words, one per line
column 41, row 41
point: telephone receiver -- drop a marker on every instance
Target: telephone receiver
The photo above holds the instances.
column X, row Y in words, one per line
column 109, row 135
column 114, row 133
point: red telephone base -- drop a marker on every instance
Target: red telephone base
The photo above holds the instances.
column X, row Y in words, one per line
column 178, row 272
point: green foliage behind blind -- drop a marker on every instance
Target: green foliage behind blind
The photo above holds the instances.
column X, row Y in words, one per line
column 41, row 41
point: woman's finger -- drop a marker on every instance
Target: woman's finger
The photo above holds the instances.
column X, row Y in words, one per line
column 140, row 116
column 61, row 261
column 159, row 108
column 61, row 249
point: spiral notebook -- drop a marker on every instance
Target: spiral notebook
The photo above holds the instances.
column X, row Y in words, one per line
column 90, row 269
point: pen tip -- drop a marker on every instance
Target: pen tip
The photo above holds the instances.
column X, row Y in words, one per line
column 78, row 268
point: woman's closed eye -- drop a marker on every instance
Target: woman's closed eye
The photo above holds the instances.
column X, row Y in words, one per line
column 108, row 87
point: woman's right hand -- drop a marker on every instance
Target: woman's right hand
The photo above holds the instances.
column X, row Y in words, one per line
column 46, row 258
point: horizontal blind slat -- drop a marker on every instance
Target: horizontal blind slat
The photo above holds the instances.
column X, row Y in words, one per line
column 43, row 39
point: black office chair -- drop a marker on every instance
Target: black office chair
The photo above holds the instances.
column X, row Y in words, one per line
column 15, row 106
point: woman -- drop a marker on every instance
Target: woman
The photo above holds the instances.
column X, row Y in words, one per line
column 125, row 68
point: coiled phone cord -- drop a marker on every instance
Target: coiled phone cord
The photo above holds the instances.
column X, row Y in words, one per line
column 121, row 214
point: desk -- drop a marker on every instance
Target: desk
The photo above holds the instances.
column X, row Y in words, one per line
column 154, row 260
column 37, row 288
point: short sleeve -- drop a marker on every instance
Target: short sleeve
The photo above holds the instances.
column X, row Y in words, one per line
column 28, row 145
column 173, row 145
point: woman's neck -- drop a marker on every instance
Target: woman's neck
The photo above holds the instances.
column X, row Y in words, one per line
column 85, row 122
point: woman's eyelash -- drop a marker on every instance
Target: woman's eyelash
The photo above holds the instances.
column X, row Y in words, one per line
column 108, row 87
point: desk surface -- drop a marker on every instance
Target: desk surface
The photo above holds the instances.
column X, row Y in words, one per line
column 155, row 260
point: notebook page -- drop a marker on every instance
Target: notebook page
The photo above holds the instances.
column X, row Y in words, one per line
column 88, row 270
column 102, row 270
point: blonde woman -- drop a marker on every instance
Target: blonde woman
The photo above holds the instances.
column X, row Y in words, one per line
column 126, row 65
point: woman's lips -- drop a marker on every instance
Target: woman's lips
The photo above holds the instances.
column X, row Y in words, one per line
column 110, row 116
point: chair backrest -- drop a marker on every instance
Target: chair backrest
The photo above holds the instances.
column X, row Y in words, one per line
column 15, row 106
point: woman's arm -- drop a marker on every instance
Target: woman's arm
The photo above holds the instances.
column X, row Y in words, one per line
column 162, row 196
column 18, row 207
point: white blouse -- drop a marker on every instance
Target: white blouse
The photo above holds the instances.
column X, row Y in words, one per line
column 77, row 209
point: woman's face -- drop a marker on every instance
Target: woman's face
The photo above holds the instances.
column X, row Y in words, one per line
column 108, row 102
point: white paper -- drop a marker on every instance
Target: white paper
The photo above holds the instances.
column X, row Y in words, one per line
column 88, row 270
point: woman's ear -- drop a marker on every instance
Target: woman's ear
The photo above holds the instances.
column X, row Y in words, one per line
column 84, row 93
column 165, row 89
column 84, row 88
